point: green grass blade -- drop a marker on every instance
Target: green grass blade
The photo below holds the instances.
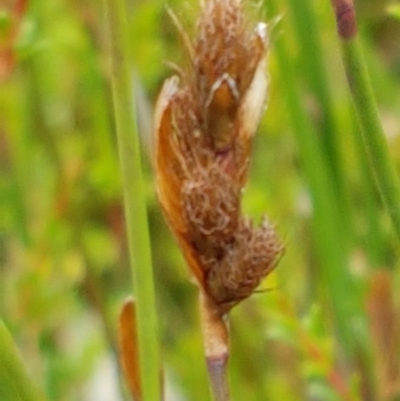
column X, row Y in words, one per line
column 367, row 111
column 330, row 243
column 15, row 385
column 312, row 60
column 134, row 200
column 373, row 135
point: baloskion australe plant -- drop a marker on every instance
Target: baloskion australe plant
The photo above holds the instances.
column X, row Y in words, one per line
column 204, row 125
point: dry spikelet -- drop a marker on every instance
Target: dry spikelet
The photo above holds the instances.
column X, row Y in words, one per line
column 251, row 256
column 204, row 127
column 129, row 349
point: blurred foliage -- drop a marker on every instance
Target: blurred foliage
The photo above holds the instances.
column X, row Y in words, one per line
column 63, row 259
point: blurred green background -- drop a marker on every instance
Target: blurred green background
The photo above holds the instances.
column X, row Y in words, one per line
column 324, row 326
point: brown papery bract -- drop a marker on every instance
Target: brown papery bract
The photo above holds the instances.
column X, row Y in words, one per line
column 204, row 129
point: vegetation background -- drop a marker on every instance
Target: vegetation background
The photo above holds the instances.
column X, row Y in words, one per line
column 324, row 326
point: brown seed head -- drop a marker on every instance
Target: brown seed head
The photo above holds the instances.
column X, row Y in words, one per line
column 204, row 129
column 226, row 57
column 252, row 254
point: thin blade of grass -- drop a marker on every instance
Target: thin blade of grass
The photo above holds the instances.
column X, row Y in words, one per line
column 312, row 59
column 327, row 229
column 367, row 111
column 15, row 381
column 134, row 199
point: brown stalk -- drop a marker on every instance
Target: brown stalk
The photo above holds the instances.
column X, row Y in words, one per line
column 216, row 346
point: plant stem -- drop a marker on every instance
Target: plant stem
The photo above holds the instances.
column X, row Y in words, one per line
column 365, row 105
column 15, row 382
column 327, row 230
column 311, row 48
column 134, row 200
column 216, row 347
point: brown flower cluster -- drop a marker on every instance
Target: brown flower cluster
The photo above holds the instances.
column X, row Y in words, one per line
column 204, row 129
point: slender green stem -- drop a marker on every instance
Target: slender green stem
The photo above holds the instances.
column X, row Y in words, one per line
column 375, row 241
column 16, row 385
column 365, row 105
column 373, row 134
column 134, row 198
column 326, row 216
column 303, row 15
